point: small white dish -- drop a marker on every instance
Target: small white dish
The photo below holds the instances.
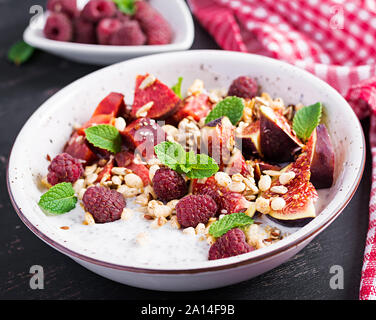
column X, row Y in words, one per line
column 176, row 12
column 50, row 126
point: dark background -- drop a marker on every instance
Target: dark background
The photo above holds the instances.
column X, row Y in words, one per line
column 23, row 89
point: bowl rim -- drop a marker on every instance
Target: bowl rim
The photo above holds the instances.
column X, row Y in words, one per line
column 228, row 263
column 44, row 43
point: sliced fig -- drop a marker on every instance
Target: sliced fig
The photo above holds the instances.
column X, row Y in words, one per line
column 301, row 194
column 126, row 159
column 248, row 139
column 112, row 104
column 218, row 139
column 78, row 147
column 105, row 173
column 142, row 135
column 259, row 167
column 226, row 200
column 237, row 164
column 278, row 141
column 197, row 107
column 322, row 165
column 165, row 101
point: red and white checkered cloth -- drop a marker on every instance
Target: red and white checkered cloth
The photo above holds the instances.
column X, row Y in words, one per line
column 333, row 39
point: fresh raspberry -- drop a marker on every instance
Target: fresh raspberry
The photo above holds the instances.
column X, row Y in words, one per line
column 156, row 28
column 169, row 185
column 106, row 205
column 243, row 87
column 64, row 168
column 58, row 27
column 84, row 31
column 69, row 7
column 122, row 16
column 106, row 28
column 129, row 34
column 96, row 10
column 232, row 243
column 195, row 209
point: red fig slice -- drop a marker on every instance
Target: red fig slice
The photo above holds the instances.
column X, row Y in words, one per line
column 78, row 147
column 218, row 139
column 237, row 164
column 322, row 165
column 248, row 139
column 226, row 200
column 112, row 104
column 301, row 194
column 165, row 101
column 197, row 107
column 142, row 135
column 278, row 141
column 126, row 159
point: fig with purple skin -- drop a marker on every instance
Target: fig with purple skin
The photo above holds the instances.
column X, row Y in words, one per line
column 322, row 165
column 278, row 142
column 299, row 195
column 218, row 139
column 237, row 164
column 142, row 135
column 248, row 139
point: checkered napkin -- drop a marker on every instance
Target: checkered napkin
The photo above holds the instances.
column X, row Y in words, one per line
column 333, row 39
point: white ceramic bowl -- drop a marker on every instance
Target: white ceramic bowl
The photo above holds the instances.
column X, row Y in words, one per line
column 50, row 126
column 176, row 12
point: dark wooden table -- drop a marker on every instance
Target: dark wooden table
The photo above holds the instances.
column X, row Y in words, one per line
column 23, row 89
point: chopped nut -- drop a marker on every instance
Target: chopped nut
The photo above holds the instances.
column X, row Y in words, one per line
column 153, row 161
column 81, row 193
column 174, row 222
column 78, row 185
column 126, row 214
column 196, row 88
column 116, row 180
column 162, row 211
column 190, row 231
column 237, row 177
column 250, row 185
column 254, row 236
column 236, row 186
column 272, row 173
column 91, row 178
column 279, row 189
column 170, row 130
column 148, row 81
column 120, row 123
column 143, row 111
column 89, row 220
column 210, row 239
column 262, row 205
column 120, row 171
column 278, row 203
column 133, row 180
column 172, row 204
column 152, row 170
column 251, row 209
column 90, row 169
column 222, row 178
column 149, row 190
column 142, row 200
column 127, row 192
column 159, row 222
column 264, row 182
column 200, row 228
column 286, row 177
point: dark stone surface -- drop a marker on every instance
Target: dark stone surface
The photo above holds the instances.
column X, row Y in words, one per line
column 23, row 89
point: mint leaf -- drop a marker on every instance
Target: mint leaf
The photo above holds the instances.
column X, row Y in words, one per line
column 104, row 136
column 195, row 166
column 232, row 107
column 228, row 222
column 58, row 199
column 170, row 154
column 306, row 120
column 126, row 6
column 177, row 87
column 20, row 52
column 203, row 166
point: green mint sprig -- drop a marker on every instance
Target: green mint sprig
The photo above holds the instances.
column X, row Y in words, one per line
column 306, row 120
column 228, row 222
column 104, row 136
column 195, row 166
column 58, row 199
column 20, row 52
column 126, row 6
column 232, row 107
column 177, row 87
